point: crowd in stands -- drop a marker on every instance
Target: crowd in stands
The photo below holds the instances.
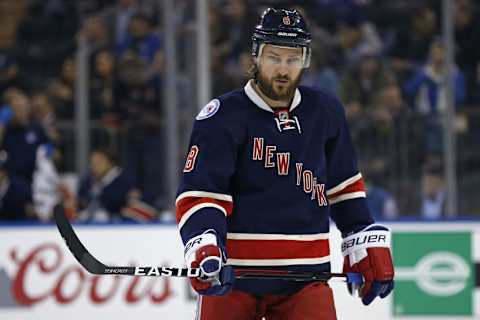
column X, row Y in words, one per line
column 383, row 59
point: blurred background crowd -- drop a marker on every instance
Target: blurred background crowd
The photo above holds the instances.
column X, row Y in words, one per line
column 384, row 59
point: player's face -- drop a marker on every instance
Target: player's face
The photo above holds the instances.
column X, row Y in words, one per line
column 279, row 71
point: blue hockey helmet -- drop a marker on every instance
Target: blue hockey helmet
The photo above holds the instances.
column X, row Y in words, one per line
column 282, row 27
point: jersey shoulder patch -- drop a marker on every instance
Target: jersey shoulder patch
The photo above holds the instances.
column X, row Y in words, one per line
column 209, row 110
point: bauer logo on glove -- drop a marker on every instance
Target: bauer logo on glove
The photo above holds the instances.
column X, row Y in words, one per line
column 378, row 240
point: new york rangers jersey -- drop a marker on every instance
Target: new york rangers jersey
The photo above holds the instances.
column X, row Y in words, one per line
column 268, row 180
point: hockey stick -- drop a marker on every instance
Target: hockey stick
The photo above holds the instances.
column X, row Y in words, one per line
column 94, row 266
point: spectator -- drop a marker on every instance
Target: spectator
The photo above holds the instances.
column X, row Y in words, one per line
column 356, row 38
column 95, row 32
column 237, row 72
column 240, row 18
column 44, row 114
column 426, row 87
column 467, row 26
column 140, row 39
column 144, row 43
column 8, row 71
column 433, row 195
column 411, row 46
column 22, row 136
column 326, row 13
column 108, row 193
column 426, row 90
column 133, row 91
column 48, row 185
column 139, row 104
column 222, row 81
column 320, row 74
column 385, row 119
column 359, row 88
column 392, row 114
column 61, row 91
column 15, row 194
column 118, row 17
column 44, row 39
column 381, row 203
column 102, row 86
column 102, row 107
column 220, row 44
column 389, row 106
column 390, row 16
column 385, row 140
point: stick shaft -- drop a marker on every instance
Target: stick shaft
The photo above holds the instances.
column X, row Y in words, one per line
column 94, row 266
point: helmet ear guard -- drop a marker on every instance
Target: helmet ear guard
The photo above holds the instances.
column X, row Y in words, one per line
column 307, row 56
column 284, row 28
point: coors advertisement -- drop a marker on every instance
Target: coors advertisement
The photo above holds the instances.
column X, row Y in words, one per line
column 39, row 277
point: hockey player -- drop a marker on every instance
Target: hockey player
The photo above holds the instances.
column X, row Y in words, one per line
column 268, row 165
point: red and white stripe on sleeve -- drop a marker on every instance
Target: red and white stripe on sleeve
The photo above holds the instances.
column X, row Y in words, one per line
column 351, row 188
column 189, row 202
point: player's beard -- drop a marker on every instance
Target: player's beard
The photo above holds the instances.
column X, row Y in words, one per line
column 285, row 93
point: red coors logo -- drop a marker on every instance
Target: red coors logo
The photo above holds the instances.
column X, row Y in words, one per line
column 39, row 263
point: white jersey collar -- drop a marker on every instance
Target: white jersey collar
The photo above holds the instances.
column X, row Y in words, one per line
column 253, row 95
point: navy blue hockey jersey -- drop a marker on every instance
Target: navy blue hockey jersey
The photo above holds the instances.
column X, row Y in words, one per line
column 268, row 181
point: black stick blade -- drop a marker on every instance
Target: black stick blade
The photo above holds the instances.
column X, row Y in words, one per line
column 73, row 243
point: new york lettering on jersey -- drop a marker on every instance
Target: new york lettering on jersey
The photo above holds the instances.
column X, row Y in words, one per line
column 304, row 152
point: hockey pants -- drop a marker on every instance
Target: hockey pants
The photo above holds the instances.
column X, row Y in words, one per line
column 313, row 302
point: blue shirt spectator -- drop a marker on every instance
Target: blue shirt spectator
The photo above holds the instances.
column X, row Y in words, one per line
column 426, row 87
column 140, row 39
column 22, row 136
column 381, row 203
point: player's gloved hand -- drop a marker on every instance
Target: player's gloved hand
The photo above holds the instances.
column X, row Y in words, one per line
column 203, row 252
column 368, row 252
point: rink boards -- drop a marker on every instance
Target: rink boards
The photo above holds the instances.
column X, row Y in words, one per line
column 436, row 265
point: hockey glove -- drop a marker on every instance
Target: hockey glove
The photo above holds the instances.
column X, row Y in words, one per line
column 203, row 252
column 368, row 252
